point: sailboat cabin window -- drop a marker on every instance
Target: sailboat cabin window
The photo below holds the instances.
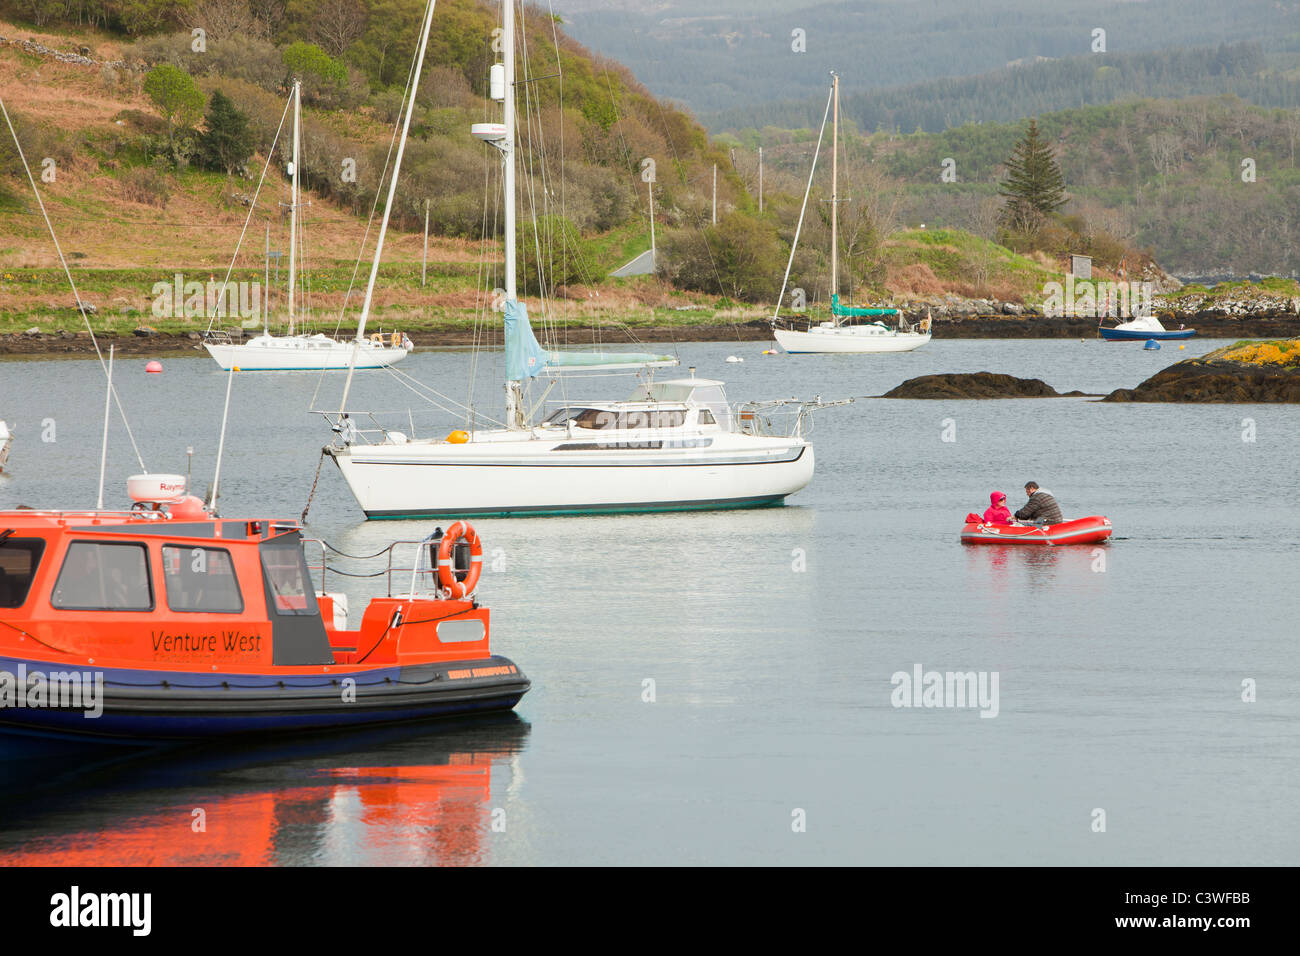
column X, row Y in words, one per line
column 104, row 577
column 706, row 417
column 565, row 415
column 19, row 558
column 642, row 418
column 200, row 579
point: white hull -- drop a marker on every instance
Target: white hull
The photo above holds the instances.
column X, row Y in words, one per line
column 513, row 473
column 848, row 338
column 300, row 353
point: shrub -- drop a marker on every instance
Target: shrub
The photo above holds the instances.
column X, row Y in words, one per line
column 742, row 257
column 144, row 184
column 177, row 98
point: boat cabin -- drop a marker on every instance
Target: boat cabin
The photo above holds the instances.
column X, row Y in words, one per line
column 697, row 403
column 152, row 589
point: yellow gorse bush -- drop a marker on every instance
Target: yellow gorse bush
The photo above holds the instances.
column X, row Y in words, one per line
column 1268, row 353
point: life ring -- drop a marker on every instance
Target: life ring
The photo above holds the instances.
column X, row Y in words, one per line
column 377, row 338
column 446, row 560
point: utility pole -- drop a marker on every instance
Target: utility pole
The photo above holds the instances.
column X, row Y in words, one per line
column 760, row 179
column 653, row 255
column 424, row 262
column 715, row 194
column 266, row 282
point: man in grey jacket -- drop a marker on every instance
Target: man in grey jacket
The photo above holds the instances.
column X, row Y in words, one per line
column 1041, row 508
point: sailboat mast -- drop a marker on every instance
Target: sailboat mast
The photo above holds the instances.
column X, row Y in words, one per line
column 293, row 208
column 835, row 191
column 514, row 390
column 388, row 205
column 508, row 144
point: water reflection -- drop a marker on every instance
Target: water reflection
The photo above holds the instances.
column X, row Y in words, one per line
column 1006, row 569
column 411, row 795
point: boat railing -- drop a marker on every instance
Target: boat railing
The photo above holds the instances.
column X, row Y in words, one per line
column 223, row 336
column 348, row 432
column 755, row 418
column 420, row 573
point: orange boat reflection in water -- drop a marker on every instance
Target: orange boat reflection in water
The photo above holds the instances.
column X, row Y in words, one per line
column 420, row 814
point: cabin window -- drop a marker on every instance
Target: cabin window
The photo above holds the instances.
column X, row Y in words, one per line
column 104, row 577
column 706, row 417
column 564, row 416
column 596, row 418
column 715, row 399
column 19, row 558
column 201, row 579
column 287, row 580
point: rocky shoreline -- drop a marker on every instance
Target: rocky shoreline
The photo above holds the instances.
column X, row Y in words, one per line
column 954, row 326
column 1214, row 378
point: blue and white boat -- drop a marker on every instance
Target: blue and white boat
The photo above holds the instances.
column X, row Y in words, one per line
column 1142, row 329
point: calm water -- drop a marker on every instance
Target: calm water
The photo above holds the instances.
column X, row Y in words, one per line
column 1119, row 689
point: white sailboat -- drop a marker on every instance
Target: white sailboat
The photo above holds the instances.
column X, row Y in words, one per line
column 298, row 351
column 674, row 445
column 838, row 334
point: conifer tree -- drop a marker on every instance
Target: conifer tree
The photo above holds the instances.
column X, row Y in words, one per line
column 227, row 142
column 1034, row 186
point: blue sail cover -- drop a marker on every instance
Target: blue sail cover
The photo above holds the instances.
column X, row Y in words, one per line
column 845, row 310
column 525, row 357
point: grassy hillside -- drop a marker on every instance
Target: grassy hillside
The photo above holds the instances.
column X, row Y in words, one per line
column 131, row 208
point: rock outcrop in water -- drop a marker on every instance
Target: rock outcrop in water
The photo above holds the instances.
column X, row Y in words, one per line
column 1244, row 372
column 966, row 385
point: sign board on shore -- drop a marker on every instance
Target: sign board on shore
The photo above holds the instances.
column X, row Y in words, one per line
column 1081, row 267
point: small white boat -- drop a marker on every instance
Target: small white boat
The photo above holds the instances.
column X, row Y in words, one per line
column 286, row 353
column 6, row 442
column 836, row 337
column 300, row 352
column 843, row 334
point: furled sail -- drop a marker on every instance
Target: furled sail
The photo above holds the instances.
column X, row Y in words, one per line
column 525, row 357
column 845, row 311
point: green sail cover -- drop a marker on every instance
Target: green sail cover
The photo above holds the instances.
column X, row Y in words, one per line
column 845, row 311
column 525, row 357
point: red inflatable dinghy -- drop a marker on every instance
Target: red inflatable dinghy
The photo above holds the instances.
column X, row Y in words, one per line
column 1079, row 531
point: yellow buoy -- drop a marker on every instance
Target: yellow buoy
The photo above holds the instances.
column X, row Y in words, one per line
column 458, row 437
column 1181, row 347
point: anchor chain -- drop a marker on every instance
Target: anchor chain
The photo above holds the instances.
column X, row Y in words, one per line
column 314, row 481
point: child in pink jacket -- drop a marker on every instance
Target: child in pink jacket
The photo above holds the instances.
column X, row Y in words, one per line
column 997, row 511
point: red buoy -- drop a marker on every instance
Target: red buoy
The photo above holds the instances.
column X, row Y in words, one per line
column 154, row 367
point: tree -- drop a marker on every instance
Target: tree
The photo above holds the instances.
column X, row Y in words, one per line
column 145, row 16
column 229, row 20
column 337, row 24
column 319, row 72
column 1034, row 186
column 177, row 98
column 227, row 142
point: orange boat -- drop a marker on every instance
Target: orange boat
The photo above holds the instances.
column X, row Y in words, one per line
column 166, row 621
column 1088, row 530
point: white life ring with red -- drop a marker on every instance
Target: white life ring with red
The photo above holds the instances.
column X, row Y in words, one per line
column 446, row 559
